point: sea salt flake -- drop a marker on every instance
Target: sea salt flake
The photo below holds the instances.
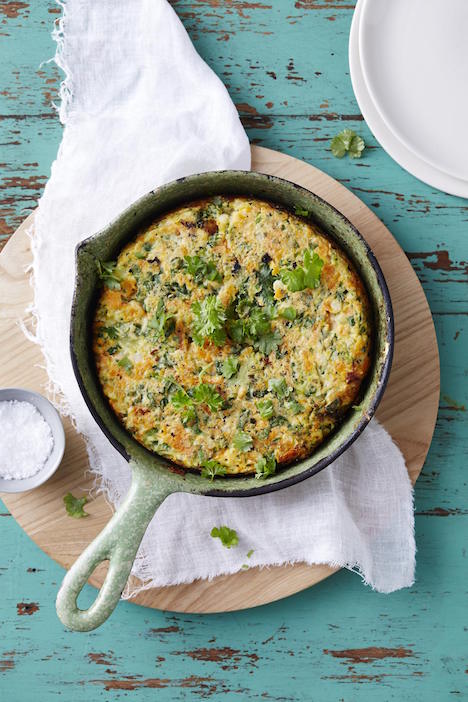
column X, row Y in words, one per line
column 26, row 440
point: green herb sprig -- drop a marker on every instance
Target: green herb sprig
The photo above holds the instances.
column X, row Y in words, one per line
column 209, row 317
column 306, row 276
column 347, row 142
column 227, row 536
column 211, row 469
column 201, row 269
column 108, row 273
column 74, row 506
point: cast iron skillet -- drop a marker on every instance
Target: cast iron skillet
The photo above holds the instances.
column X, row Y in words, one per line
column 154, row 478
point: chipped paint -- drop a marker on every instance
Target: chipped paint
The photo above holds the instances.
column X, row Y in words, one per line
column 12, row 8
column 26, row 608
column 228, row 657
column 202, row 685
column 370, row 654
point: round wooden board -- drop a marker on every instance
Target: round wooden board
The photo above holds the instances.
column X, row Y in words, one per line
column 408, row 410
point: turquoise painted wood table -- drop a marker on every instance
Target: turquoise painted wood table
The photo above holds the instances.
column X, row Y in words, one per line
column 285, row 64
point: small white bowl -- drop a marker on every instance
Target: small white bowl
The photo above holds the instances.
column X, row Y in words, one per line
column 52, row 418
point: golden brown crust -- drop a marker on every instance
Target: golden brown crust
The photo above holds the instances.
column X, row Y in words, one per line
column 287, row 388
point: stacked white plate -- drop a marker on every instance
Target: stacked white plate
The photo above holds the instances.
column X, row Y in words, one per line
column 409, row 69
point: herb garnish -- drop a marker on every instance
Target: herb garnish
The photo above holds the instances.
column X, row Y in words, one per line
column 161, row 323
column 265, row 408
column 74, row 506
column 108, row 272
column 205, row 394
column 242, row 441
column 288, row 313
column 202, row 394
column 227, row 536
column 209, row 319
column 300, row 212
column 306, row 276
column 348, row 142
column 211, row 469
column 279, row 387
column 254, row 327
column 265, row 466
column 201, row 270
column 229, row 367
column 125, row 363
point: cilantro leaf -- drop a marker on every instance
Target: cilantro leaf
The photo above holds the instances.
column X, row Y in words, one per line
column 206, row 394
column 265, row 408
column 249, row 553
column 125, row 363
column 74, row 506
column 209, row 318
column 265, row 466
column 211, row 469
column 308, row 276
column 201, row 270
column 230, row 367
column 349, row 142
column 227, row 536
column 279, row 387
column 242, row 441
column 107, row 271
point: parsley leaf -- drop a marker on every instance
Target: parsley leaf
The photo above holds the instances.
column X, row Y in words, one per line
column 279, row 387
column 230, row 367
column 300, row 212
column 202, row 394
column 180, row 399
column 265, row 466
column 74, row 506
column 201, row 270
column 228, row 536
column 268, row 342
column 294, row 406
column 349, row 142
column 161, row 322
column 211, row 469
column 112, row 332
column 265, row 408
column 107, row 271
column 254, row 327
column 308, row 276
column 288, row 313
column 206, row 394
column 242, row 441
column 125, row 363
column 208, row 323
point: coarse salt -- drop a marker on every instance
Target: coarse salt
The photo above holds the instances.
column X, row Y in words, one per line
column 26, row 440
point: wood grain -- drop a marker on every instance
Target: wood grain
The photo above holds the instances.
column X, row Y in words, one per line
column 408, row 410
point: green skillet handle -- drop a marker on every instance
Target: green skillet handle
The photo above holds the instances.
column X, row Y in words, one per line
column 118, row 542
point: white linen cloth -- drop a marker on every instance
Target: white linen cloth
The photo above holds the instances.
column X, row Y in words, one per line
column 141, row 108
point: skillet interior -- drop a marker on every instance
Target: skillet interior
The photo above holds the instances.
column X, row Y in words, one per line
column 107, row 244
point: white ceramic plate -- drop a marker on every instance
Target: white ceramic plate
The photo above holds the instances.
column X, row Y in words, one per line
column 393, row 146
column 414, row 57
